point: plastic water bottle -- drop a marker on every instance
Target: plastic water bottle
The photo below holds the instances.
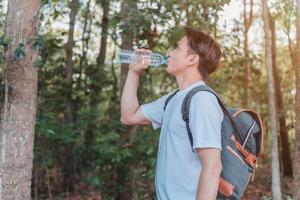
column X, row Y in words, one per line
column 128, row 56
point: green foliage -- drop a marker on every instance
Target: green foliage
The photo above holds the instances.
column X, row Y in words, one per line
column 265, row 198
column 174, row 35
column 94, row 181
column 289, row 197
column 102, row 145
column 37, row 43
column 37, row 62
column 4, row 42
column 20, row 52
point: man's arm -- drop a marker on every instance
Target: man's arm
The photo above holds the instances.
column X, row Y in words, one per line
column 131, row 113
column 210, row 175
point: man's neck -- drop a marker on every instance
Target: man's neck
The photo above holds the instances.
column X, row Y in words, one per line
column 185, row 81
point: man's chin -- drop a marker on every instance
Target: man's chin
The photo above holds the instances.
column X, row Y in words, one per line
column 168, row 70
column 169, row 66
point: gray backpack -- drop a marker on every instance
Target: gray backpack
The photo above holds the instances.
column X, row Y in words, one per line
column 242, row 144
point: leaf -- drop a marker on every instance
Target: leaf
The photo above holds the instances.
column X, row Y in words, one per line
column 21, row 45
column 50, row 132
column 38, row 62
column 19, row 52
column 37, row 43
column 4, row 42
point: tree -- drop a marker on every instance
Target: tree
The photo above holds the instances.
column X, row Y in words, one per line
column 123, row 172
column 247, row 23
column 284, row 137
column 276, row 190
column 86, row 34
column 296, row 175
column 104, row 31
column 97, row 71
column 69, row 112
column 19, row 109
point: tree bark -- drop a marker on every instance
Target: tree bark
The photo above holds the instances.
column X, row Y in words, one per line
column 296, row 175
column 99, row 69
column 69, row 64
column 114, row 98
column 284, row 137
column 104, row 31
column 86, row 35
column 276, row 189
column 96, row 86
column 18, row 112
column 69, row 171
column 247, row 23
column 123, row 173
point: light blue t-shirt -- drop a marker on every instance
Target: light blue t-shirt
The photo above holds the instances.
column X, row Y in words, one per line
column 178, row 168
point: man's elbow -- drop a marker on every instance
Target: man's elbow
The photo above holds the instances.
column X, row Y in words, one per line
column 124, row 121
column 214, row 168
column 220, row 167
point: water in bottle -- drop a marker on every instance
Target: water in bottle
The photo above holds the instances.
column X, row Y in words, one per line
column 128, row 56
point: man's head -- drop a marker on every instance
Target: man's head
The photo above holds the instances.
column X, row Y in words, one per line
column 195, row 51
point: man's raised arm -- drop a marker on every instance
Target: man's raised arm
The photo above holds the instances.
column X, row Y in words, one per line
column 131, row 113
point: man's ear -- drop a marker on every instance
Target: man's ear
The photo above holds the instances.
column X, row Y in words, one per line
column 192, row 59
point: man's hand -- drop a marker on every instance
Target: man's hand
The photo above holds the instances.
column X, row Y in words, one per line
column 142, row 61
column 131, row 113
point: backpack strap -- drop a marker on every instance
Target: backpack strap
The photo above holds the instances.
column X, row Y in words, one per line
column 186, row 105
column 169, row 98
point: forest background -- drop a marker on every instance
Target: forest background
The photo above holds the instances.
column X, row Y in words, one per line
column 61, row 135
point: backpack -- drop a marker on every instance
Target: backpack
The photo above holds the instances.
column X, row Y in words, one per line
column 242, row 144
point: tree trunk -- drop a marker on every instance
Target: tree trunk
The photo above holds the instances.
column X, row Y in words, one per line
column 284, row 137
column 123, row 173
column 247, row 72
column 99, row 70
column 86, row 34
column 19, row 109
column 104, row 31
column 276, row 190
column 96, row 86
column 296, row 175
column 69, row 171
column 114, row 98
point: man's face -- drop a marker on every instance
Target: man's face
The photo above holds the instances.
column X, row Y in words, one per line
column 178, row 57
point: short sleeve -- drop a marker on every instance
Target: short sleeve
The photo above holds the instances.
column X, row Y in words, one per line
column 206, row 118
column 154, row 111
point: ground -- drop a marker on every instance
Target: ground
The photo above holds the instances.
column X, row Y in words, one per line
column 259, row 189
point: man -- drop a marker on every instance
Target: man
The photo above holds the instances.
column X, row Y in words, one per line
column 182, row 174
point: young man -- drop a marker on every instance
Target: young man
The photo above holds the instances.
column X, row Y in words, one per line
column 182, row 174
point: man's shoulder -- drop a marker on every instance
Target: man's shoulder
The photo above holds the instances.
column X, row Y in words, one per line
column 206, row 101
column 204, row 96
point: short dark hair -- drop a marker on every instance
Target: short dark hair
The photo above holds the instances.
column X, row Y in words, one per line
column 207, row 48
